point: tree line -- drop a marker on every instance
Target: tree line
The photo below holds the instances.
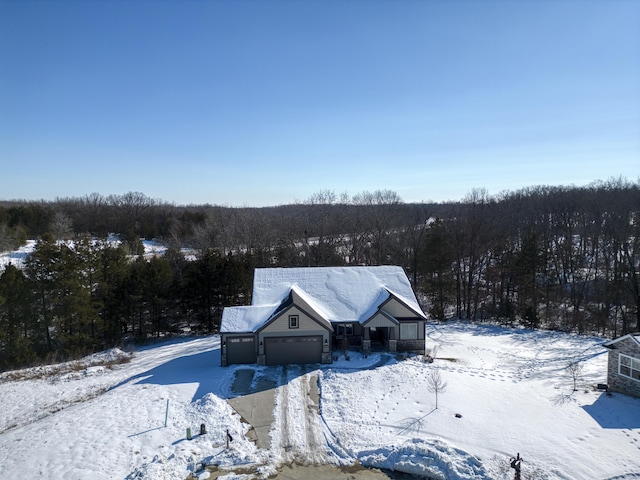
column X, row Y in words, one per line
column 564, row 258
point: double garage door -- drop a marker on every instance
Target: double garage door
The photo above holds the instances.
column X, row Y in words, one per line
column 284, row 350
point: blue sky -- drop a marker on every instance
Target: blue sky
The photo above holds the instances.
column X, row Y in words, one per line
column 267, row 102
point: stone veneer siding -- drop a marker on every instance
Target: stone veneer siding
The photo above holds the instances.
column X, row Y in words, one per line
column 413, row 346
column 620, row 383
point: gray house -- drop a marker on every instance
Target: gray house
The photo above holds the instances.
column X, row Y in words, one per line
column 303, row 315
column 623, row 373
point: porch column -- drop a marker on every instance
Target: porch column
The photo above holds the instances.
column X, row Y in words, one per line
column 366, row 342
column 393, row 343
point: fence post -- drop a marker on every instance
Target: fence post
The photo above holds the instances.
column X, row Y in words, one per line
column 166, row 414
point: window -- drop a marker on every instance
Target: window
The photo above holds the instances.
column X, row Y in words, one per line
column 293, row 321
column 346, row 329
column 408, row 331
column 629, row 367
column 241, row 340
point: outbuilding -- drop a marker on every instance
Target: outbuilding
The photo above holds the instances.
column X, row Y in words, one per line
column 623, row 372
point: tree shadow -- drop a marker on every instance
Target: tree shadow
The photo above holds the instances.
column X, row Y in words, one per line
column 564, row 398
column 413, row 424
column 185, row 369
column 205, row 370
column 615, row 411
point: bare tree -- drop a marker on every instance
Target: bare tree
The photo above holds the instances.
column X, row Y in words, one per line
column 574, row 369
column 61, row 226
column 436, row 383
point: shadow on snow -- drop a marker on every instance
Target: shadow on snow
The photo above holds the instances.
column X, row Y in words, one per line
column 615, row 411
column 204, row 370
column 199, row 368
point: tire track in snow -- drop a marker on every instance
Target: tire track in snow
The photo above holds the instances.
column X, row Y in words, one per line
column 298, row 434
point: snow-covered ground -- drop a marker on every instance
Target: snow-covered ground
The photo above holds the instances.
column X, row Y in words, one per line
column 514, row 395
column 17, row 257
column 510, row 389
column 152, row 248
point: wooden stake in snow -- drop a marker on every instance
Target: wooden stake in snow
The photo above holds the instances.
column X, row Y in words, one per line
column 229, row 438
column 166, row 414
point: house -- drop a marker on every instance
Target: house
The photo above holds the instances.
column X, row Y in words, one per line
column 623, row 373
column 303, row 315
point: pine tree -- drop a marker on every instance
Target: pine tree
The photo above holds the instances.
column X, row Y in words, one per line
column 16, row 347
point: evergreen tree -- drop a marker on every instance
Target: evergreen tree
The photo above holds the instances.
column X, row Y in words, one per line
column 435, row 265
column 64, row 309
column 16, row 347
column 111, row 291
column 527, row 265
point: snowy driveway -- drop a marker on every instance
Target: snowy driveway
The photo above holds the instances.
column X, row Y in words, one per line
column 284, row 414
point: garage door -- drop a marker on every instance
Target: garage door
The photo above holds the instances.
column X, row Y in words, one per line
column 241, row 350
column 284, row 350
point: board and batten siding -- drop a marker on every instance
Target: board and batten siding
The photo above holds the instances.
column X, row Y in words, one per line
column 306, row 325
column 396, row 309
column 379, row 320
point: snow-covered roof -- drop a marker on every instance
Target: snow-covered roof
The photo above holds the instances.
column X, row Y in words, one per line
column 336, row 294
column 410, row 303
column 343, row 294
column 633, row 336
column 245, row 319
column 317, row 307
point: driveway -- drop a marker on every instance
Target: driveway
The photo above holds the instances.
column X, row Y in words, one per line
column 285, row 419
column 255, row 405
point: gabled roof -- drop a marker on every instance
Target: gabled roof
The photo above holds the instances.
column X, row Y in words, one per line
column 633, row 336
column 302, row 302
column 369, row 319
column 342, row 294
column 410, row 303
column 333, row 294
column 316, row 307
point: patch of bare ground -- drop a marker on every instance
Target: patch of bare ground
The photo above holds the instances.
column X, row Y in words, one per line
column 44, row 371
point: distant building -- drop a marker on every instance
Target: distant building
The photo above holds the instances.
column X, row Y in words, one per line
column 623, row 373
column 303, row 315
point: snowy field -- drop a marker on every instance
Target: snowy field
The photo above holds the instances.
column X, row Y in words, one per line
column 18, row 257
column 104, row 417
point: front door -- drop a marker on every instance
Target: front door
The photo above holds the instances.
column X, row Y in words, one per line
column 379, row 337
